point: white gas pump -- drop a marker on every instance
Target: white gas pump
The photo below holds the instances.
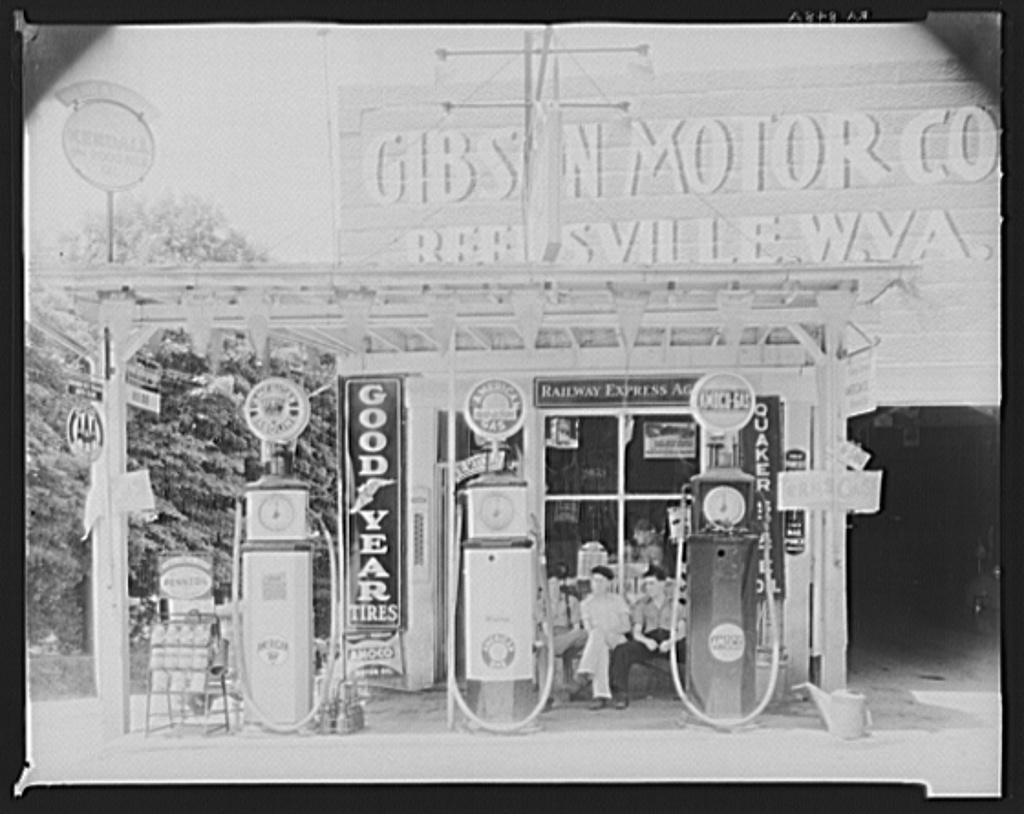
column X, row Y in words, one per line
column 501, row 582
column 274, row 568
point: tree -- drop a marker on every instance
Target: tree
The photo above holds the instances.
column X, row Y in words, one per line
column 173, row 230
column 57, row 557
column 197, row 453
column 196, row 449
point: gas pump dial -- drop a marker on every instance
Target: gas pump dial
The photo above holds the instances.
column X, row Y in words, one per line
column 724, row 507
column 276, row 512
column 497, row 511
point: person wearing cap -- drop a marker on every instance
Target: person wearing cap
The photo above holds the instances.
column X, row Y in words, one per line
column 652, row 634
column 606, row 621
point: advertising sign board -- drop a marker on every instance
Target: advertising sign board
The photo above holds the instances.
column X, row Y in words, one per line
column 854, row 491
column 108, row 144
column 374, row 501
column 760, row 445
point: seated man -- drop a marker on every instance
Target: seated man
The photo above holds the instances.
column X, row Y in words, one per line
column 566, row 621
column 652, row 634
column 606, row 620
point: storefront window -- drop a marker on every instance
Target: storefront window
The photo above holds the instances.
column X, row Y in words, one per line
column 603, row 507
column 581, row 455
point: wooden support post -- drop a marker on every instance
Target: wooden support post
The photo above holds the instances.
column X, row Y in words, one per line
column 797, row 607
column 833, row 598
column 110, row 534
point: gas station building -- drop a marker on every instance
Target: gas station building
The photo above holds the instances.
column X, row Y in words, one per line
column 832, row 236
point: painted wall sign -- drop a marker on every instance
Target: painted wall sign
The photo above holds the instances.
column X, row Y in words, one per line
column 637, row 391
column 760, row 446
column 698, row 155
column 723, row 402
column 495, row 408
column 108, row 144
column 671, row 164
column 374, row 501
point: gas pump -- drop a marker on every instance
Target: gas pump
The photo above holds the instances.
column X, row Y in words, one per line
column 274, row 569
column 721, row 570
column 501, row 578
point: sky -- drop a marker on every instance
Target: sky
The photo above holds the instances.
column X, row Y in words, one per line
column 246, row 113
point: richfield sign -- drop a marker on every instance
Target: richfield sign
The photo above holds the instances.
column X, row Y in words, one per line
column 673, row 166
column 374, row 502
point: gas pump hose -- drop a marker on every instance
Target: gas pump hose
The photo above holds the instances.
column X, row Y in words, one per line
column 243, row 675
column 453, row 687
column 729, row 723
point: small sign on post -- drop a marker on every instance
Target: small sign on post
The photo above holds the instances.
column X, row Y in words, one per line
column 859, row 392
column 85, row 432
column 186, row 583
column 143, row 399
column 858, row 492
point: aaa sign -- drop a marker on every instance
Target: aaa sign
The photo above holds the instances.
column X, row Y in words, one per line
column 854, row 491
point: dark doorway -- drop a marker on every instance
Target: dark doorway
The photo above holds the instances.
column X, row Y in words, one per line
column 911, row 567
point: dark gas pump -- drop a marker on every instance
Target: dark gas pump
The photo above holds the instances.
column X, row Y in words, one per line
column 721, row 569
column 722, row 582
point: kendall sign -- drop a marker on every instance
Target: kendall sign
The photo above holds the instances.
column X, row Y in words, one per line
column 374, row 499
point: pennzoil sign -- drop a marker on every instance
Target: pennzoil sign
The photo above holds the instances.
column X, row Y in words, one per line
column 374, row 500
column 186, row 577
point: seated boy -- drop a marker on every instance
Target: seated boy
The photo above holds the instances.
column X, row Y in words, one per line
column 652, row 634
column 606, row 620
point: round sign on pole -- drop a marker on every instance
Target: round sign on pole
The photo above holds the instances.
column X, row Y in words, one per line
column 723, row 402
column 85, row 432
column 495, row 408
column 108, row 144
column 277, row 410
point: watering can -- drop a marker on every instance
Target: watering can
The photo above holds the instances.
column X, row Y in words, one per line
column 845, row 713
